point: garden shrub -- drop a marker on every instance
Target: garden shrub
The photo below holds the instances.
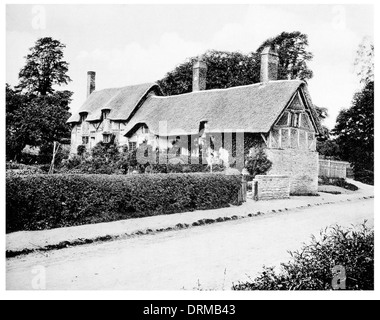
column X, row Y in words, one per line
column 50, row 201
column 338, row 182
column 258, row 162
column 81, row 149
column 312, row 267
column 14, row 168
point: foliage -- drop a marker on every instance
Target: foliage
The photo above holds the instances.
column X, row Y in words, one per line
column 338, row 182
column 293, row 55
column 355, row 134
column 231, row 69
column 107, row 158
column 364, row 62
column 44, row 67
column 258, row 162
column 36, row 121
column 224, row 70
column 312, row 267
column 42, row 202
column 15, row 138
column 329, row 148
column 36, row 113
column 14, row 168
column 81, row 149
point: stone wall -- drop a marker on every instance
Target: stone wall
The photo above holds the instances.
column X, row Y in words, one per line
column 272, row 187
column 300, row 165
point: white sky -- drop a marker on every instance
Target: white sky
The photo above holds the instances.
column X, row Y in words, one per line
column 131, row 44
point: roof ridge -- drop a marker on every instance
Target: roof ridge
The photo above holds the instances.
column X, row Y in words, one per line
column 130, row 86
column 258, row 84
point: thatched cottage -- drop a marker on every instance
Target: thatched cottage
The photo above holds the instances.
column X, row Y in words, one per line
column 276, row 114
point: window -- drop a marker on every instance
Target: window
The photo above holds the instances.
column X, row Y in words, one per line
column 105, row 114
column 85, row 140
column 296, row 120
column 305, row 121
column 132, row 146
column 144, row 129
column 106, row 138
column 83, row 116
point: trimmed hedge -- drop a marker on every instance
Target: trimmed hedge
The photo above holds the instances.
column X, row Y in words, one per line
column 39, row 202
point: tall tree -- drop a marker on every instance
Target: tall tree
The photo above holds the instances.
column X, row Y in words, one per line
column 36, row 113
column 293, row 55
column 35, row 120
column 224, row 70
column 15, row 138
column 364, row 62
column 355, row 133
column 355, row 126
column 44, row 67
column 230, row 69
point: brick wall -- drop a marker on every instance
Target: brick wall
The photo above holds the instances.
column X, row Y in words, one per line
column 272, row 187
column 300, row 165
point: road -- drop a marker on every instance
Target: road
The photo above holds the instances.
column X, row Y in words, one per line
column 207, row 257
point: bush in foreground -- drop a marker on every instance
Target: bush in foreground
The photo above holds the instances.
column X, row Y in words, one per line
column 38, row 202
column 312, row 267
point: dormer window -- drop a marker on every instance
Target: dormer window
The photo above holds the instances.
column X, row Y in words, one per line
column 105, row 114
column 144, row 129
column 83, row 116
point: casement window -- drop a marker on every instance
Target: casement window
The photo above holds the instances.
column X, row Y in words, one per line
column 296, row 120
column 85, row 140
column 305, row 121
column 106, row 138
column 132, row 146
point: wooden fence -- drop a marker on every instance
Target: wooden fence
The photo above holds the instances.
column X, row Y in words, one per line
column 333, row 169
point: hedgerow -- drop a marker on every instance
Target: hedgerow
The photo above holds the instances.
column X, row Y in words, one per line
column 38, row 202
column 316, row 265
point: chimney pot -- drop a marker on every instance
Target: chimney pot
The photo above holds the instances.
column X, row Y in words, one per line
column 199, row 75
column 269, row 64
column 90, row 82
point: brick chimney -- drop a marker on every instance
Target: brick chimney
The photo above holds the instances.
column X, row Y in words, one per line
column 269, row 64
column 90, row 82
column 199, row 75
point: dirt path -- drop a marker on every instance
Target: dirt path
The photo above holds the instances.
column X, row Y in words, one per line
column 212, row 256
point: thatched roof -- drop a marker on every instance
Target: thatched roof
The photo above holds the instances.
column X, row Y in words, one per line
column 252, row 108
column 120, row 101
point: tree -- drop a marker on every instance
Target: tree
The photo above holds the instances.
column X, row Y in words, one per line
column 231, row 69
column 36, row 121
column 44, row 67
column 15, row 139
column 355, row 134
column 293, row 55
column 364, row 62
column 329, row 148
column 224, row 70
column 36, row 113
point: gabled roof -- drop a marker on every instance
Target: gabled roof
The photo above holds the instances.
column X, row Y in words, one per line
column 120, row 101
column 252, row 108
